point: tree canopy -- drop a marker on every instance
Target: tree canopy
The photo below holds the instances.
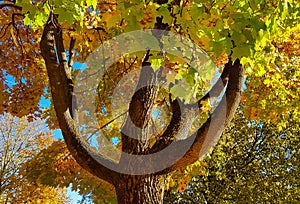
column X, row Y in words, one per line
column 200, row 56
column 265, row 34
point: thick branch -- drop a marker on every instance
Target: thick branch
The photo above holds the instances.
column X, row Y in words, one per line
column 218, row 87
column 210, row 132
column 181, row 153
column 178, row 121
column 62, row 100
column 135, row 131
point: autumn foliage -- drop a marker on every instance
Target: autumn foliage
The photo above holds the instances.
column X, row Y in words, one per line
column 263, row 36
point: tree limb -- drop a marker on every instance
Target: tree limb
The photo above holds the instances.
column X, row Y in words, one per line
column 209, row 133
column 178, row 120
column 62, row 100
column 71, row 53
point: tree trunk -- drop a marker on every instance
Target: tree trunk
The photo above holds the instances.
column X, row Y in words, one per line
column 140, row 189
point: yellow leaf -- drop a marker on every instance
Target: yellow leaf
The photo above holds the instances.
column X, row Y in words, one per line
column 205, row 41
column 170, row 77
column 205, row 164
column 187, row 16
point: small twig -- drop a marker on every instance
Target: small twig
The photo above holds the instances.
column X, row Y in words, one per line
column 154, row 129
column 225, row 5
column 5, row 29
column 106, row 124
column 17, row 30
column 129, row 67
column 10, row 5
column 71, row 53
column 146, row 58
column 104, row 60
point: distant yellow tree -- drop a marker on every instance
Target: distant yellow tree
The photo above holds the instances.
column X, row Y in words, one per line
column 20, row 141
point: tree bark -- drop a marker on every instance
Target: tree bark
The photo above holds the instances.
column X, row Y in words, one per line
column 140, row 189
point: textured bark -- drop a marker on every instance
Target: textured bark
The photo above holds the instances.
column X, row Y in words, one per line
column 140, row 108
column 140, row 189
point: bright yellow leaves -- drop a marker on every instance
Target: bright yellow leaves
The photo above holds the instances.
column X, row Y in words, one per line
column 228, row 22
column 289, row 43
column 205, row 106
column 274, row 80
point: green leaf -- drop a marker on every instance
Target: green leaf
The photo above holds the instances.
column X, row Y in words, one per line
column 132, row 23
column 164, row 11
column 28, row 8
column 196, row 11
column 41, row 19
column 46, row 9
column 189, row 76
column 27, row 20
column 241, row 51
column 156, row 64
column 64, row 15
column 238, row 38
column 178, row 91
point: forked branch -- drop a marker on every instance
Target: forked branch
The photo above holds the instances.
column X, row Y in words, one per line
column 61, row 85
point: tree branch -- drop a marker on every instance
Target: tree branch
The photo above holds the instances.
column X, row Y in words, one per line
column 134, row 133
column 178, row 121
column 62, row 100
column 181, row 153
column 71, row 53
column 211, row 130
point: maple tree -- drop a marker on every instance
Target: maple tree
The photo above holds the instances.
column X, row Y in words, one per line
column 20, row 141
column 255, row 32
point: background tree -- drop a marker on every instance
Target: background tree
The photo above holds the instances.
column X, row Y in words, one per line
column 62, row 170
column 253, row 162
column 250, row 30
column 20, row 141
